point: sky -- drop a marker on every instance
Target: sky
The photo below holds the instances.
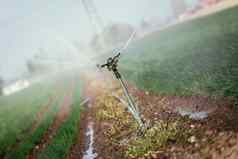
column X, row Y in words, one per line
column 26, row 26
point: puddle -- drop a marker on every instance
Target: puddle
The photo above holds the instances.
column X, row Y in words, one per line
column 196, row 115
column 89, row 154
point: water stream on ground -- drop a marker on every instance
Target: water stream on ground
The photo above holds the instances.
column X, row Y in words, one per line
column 196, row 115
column 89, row 153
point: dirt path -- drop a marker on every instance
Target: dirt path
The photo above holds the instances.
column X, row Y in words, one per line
column 77, row 150
column 61, row 116
column 91, row 90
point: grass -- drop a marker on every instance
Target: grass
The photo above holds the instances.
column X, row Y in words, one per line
column 198, row 57
column 67, row 133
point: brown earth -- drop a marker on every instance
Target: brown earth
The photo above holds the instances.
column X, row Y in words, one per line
column 77, row 150
column 61, row 116
column 214, row 137
column 41, row 113
column 92, row 89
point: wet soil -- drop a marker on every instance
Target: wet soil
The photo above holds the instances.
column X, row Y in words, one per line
column 77, row 150
column 41, row 113
column 91, row 91
column 61, row 116
column 213, row 137
column 39, row 117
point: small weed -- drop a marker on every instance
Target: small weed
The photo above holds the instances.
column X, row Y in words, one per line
column 121, row 130
column 157, row 137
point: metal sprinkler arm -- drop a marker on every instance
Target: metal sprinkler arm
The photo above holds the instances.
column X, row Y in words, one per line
column 112, row 65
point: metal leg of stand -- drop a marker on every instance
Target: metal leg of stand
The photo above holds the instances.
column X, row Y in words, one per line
column 133, row 108
column 129, row 99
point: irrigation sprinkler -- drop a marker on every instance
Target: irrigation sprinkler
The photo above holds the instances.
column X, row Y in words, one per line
column 111, row 64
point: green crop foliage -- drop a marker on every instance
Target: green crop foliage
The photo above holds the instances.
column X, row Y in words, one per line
column 67, row 133
column 197, row 57
column 18, row 111
column 30, row 141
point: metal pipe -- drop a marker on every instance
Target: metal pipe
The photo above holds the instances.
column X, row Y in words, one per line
column 132, row 106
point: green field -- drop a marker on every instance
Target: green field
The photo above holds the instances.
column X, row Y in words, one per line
column 194, row 58
column 29, row 141
column 67, row 133
column 198, row 57
column 18, row 113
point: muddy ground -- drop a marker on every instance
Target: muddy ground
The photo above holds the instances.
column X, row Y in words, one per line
column 212, row 136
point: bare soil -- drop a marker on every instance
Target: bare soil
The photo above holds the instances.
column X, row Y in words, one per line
column 214, row 137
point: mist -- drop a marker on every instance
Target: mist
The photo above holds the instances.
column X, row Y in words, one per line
column 118, row 79
column 63, row 29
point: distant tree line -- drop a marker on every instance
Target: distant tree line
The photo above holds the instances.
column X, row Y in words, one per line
column 112, row 36
column 1, row 85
